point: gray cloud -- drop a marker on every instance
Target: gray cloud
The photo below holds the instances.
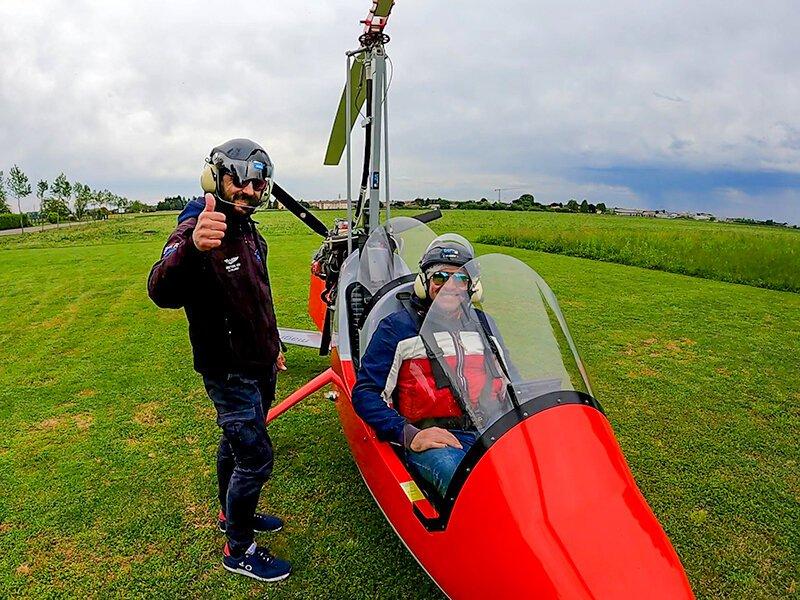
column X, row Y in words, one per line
column 133, row 95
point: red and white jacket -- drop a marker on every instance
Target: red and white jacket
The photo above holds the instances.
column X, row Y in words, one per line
column 395, row 385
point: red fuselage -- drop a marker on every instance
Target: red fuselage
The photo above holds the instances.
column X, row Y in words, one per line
column 550, row 510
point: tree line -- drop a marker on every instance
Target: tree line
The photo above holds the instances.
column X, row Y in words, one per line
column 526, row 202
column 765, row 223
column 59, row 200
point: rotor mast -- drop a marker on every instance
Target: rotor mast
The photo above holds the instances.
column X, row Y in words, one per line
column 376, row 77
column 368, row 75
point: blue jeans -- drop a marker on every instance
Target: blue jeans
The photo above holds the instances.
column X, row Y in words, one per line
column 244, row 456
column 437, row 465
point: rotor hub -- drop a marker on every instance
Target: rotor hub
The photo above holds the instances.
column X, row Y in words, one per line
column 370, row 39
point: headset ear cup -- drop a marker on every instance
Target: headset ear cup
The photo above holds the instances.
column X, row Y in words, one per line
column 208, row 179
column 420, row 289
column 477, row 292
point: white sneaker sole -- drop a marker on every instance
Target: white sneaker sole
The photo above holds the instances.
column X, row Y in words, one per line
column 254, row 576
column 257, row 530
column 268, row 530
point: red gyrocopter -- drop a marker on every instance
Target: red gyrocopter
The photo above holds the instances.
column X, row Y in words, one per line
column 544, row 500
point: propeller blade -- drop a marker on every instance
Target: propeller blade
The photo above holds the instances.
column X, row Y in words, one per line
column 358, row 94
column 298, row 210
column 428, row 216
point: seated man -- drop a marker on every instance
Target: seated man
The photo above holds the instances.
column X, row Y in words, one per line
column 396, row 392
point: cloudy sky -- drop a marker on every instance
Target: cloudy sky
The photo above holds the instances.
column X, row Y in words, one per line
column 671, row 104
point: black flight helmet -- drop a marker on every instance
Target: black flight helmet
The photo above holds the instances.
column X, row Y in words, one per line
column 246, row 162
column 447, row 249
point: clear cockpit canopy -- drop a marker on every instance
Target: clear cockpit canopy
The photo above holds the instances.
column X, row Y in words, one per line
column 392, row 250
column 500, row 339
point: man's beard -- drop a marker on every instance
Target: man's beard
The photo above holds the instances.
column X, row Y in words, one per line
column 241, row 204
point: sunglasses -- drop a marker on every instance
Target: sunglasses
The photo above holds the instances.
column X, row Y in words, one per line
column 441, row 277
column 259, row 185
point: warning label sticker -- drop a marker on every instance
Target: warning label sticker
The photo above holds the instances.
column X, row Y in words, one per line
column 413, row 493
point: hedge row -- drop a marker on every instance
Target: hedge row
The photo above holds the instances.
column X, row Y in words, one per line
column 11, row 221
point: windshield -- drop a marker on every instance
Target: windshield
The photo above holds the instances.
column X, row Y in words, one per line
column 392, row 250
column 499, row 339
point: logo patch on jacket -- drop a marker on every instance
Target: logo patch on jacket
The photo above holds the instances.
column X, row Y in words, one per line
column 232, row 264
column 170, row 249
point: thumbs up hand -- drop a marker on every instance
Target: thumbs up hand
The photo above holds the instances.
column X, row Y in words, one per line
column 210, row 228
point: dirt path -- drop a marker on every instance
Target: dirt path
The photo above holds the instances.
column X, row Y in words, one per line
column 38, row 228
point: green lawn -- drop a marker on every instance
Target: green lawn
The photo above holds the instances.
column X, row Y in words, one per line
column 108, row 441
column 766, row 257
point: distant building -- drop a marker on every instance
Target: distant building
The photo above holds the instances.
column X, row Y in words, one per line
column 662, row 214
column 634, row 212
column 328, row 204
column 627, row 212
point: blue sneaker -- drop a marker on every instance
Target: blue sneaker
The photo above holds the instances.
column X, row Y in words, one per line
column 261, row 523
column 257, row 563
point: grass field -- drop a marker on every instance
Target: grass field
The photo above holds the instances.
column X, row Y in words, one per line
column 107, row 440
column 766, row 257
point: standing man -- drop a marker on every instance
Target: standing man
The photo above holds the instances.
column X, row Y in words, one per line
column 214, row 266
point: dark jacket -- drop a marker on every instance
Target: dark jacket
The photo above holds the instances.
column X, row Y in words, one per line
column 226, row 295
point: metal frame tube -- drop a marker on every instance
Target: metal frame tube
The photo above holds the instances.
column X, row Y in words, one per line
column 386, row 142
column 347, row 148
column 378, row 77
column 362, row 208
column 320, row 381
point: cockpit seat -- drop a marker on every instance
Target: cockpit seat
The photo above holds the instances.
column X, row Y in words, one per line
column 381, row 305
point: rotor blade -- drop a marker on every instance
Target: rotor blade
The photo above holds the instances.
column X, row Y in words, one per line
column 378, row 16
column 383, row 8
column 358, row 93
column 298, row 210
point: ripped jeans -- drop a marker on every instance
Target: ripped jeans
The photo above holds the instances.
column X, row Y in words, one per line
column 244, row 456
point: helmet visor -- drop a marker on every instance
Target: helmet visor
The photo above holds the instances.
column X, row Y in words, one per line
column 244, row 171
column 253, row 172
